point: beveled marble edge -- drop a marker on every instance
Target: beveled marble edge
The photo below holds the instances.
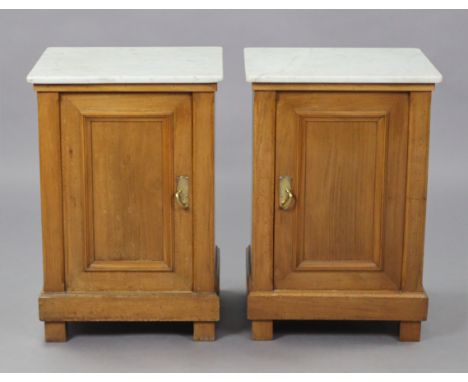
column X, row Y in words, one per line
column 126, row 65
column 339, row 65
column 89, row 80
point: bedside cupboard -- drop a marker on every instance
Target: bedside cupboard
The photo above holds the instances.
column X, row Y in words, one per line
column 127, row 185
column 339, row 185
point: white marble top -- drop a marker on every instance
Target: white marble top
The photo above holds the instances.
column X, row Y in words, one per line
column 128, row 65
column 339, row 65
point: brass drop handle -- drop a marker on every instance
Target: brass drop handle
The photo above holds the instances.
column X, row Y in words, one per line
column 182, row 191
column 286, row 197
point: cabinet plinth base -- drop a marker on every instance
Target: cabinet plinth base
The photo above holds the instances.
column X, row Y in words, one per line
column 410, row 331
column 410, row 308
column 55, row 331
column 128, row 306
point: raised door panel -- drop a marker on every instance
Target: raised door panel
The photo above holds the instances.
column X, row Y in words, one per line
column 121, row 156
column 345, row 156
column 129, row 173
column 340, row 214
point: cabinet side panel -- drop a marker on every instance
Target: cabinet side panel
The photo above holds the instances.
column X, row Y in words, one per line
column 416, row 190
column 51, row 191
column 263, row 190
column 203, row 192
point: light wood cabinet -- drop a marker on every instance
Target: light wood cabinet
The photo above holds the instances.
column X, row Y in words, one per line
column 127, row 183
column 339, row 190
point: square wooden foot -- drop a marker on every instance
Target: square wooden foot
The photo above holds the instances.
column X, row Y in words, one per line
column 55, row 331
column 204, row 331
column 262, row 330
column 410, row 331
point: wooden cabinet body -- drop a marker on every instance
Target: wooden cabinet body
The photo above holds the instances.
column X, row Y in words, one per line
column 117, row 245
column 345, row 240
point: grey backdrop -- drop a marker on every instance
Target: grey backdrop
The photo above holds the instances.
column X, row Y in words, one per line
column 309, row 346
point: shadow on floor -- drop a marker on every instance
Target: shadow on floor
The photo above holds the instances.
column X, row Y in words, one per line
column 285, row 328
column 233, row 314
column 76, row 329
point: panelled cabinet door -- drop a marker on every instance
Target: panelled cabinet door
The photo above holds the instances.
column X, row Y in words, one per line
column 122, row 154
column 340, row 187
